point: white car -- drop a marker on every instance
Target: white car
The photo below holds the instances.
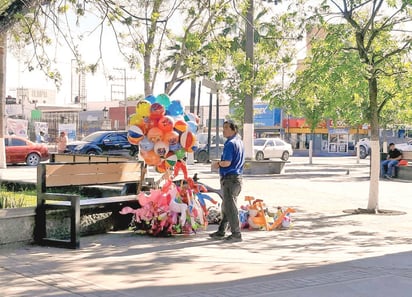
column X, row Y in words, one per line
column 266, row 148
column 405, row 147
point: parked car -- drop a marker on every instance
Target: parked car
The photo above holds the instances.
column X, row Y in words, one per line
column 364, row 148
column 405, row 147
column 104, row 143
column 202, row 138
column 22, row 150
column 265, row 148
column 203, row 154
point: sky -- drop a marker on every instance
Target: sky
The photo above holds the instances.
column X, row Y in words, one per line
column 99, row 88
column 97, row 85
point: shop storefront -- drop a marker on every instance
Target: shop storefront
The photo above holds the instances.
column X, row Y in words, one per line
column 338, row 140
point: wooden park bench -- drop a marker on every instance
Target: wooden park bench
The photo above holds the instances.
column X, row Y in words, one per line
column 405, row 172
column 53, row 180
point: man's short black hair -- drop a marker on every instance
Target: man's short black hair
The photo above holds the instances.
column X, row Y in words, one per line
column 391, row 144
column 232, row 125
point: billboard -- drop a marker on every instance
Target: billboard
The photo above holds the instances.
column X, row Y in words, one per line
column 264, row 116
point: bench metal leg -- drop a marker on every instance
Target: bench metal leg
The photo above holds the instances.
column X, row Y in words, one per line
column 75, row 222
column 40, row 233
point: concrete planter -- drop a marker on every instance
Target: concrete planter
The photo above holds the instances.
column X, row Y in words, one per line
column 16, row 225
column 264, row 167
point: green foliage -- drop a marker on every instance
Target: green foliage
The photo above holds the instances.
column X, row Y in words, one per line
column 12, row 199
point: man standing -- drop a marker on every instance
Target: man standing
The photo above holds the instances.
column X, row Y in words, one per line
column 392, row 160
column 230, row 169
column 62, row 142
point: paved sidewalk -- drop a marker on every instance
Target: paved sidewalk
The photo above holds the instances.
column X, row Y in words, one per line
column 326, row 253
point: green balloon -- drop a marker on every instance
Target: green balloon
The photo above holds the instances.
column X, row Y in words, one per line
column 180, row 154
column 163, row 99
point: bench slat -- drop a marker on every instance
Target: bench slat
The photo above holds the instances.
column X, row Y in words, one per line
column 407, row 155
column 84, row 174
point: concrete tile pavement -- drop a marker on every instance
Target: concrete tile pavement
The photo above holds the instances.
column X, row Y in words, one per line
column 326, row 253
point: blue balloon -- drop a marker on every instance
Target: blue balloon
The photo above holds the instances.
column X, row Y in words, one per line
column 192, row 126
column 175, row 147
column 146, row 145
column 151, row 99
column 175, row 108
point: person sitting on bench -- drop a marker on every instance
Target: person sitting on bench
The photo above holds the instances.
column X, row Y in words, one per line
column 392, row 160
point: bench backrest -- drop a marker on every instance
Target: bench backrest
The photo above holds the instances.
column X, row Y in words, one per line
column 407, row 155
column 72, row 158
column 94, row 173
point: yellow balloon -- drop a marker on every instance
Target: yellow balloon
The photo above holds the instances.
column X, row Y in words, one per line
column 134, row 119
column 143, row 108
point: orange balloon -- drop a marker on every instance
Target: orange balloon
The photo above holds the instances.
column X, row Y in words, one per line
column 151, row 158
column 155, row 134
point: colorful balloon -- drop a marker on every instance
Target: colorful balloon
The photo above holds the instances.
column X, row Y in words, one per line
column 163, row 99
column 172, row 139
column 134, row 135
column 134, row 119
column 187, row 140
column 155, row 134
column 162, row 167
column 180, row 153
column 180, row 126
column 165, row 123
column 175, row 108
column 156, row 111
column 161, row 148
column 146, row 124
column 151, row 158
column 151, row 99
column 192, row 126
column 146, row 145
column 143, row 108
column 171, row 160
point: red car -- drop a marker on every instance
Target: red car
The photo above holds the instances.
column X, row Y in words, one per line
column 21, row 150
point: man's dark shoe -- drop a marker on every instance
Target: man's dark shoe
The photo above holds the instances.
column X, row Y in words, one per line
column 233, row 238
column 217, row 235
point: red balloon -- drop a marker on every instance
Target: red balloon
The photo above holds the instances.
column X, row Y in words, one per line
column 157, row 110
column 187, row 140
column 166, row 123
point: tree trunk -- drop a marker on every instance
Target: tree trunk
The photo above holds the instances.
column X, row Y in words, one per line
column 3, row 54
column 373, row 203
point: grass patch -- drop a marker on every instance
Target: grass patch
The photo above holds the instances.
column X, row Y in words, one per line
column 16, row 199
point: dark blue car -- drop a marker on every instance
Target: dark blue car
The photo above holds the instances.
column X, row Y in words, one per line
column 104, row 143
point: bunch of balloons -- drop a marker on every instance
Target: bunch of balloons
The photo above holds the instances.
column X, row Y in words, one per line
column 163, row 131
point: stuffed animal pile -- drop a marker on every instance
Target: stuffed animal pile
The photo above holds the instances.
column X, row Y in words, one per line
column 174, row 208
column 255, row 216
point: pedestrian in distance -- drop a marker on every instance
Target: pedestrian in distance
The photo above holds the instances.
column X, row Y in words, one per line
column 41, row 138
column 230, row 170
column 392, row 160
column 62, row 142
